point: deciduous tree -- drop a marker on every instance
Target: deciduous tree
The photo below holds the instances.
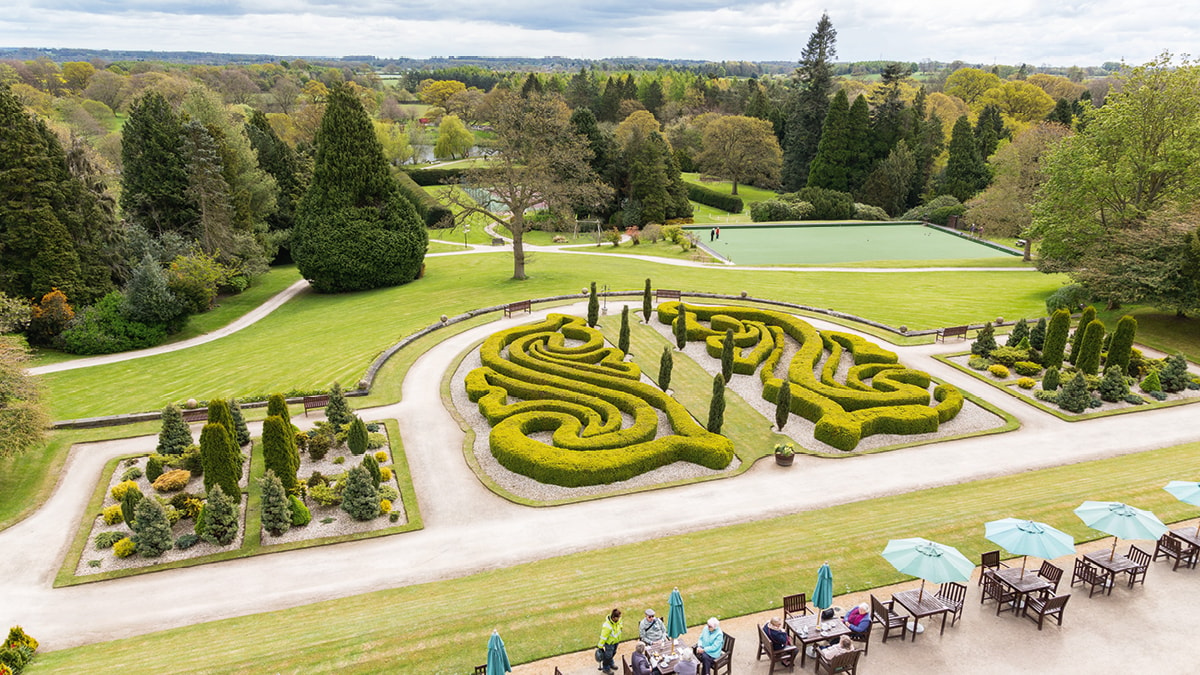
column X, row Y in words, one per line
column 454, row 139
column 742, row 150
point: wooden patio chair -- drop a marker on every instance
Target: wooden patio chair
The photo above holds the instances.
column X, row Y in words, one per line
column 481, row 670
column 989, row 561
column 1089, row 576
column 785, row 657
column 1140, row 558
column 1176, row 549
column 1051, row 573
column 953, row 594
column 794, row 605
column 889, row 620
column 557, row 671
column 1045, row 604
column 842, row 663
column 864, row 637
column 725, row 660
column 993, row 589
column 626, row 669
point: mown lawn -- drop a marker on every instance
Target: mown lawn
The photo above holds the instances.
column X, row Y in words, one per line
column 442, row 627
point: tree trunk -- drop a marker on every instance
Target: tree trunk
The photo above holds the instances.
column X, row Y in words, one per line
column 734, row 190
column 516, row 226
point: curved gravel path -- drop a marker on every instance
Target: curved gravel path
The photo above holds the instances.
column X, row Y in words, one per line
column 469, row 529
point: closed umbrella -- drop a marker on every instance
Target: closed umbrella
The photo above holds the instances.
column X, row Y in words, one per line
column 928, row 560
column 1187, row 492
column 1122, row 521
column 1028, row 538
column 822, row 595
column 497, row 660
column 676, row 624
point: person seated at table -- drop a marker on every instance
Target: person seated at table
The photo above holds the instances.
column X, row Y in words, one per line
column 858, row 620
column 780, row 640
column 641, row 664
column 837, row 649
column 710, row 646
column 651, row 628
column 686, row 665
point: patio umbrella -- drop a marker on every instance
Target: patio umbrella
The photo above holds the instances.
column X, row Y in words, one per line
column 822, row 595
column 676, row 624
column 1121, row 521
column 928, row 560
column 1187, row 492
column 1028, row 538
column 497, row 660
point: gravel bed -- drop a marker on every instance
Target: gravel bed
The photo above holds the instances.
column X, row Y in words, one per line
column 528, row 488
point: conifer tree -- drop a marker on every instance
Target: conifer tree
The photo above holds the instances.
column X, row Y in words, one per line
column 277, row 407
column 1120, row 348
column 989, row 129
column 220, row 517
column 154, row 468
column 1050, row 379
column 623, row 337
column 829, row 167
column 219, row 413
column 680, row 327
column 727, row 348
column 593, row 308
column 338, row 411
column 361, row 499
column 242, row 432
column 809, row 106
column 276, row 510
column 665, row 364
column 1086, row 318
column 966, row 172
column 354, row 229
column 1089, row 349
column 154, row 176
column 1037, row 334
column 1174, row 376
column 151, row 529
column 1019, row 332
column 175, row 435
column 1074, row 396
column 1113, row 386
column 279, row 450
column 356, row 436
column 1152, row 382
column 647, row 306
column 221, row 459
column 372, row 466
column 716, row 406
column 129, row 502
column 279, row 160
column 783, row 405
column 985, row 341
column 1056, row 338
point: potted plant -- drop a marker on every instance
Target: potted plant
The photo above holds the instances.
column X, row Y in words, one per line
column 785, row 453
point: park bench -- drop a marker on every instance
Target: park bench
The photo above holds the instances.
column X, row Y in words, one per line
column 1020, row 242
column 497, row 241
column 522, row 305
column 951, row 331
column 666, row 294
column 196, row 415
column 313, row 402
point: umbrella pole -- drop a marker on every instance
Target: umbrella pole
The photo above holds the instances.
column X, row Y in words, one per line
column 1023, row 565
column 921, row 595
column 1113, row 552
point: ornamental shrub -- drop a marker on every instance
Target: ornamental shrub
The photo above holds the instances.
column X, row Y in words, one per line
column 276, row 510
column 1037, row 334
column 381, row 456
column 385, row 474
column 1085, row 319
column 389, row 493
column 361, row 498
column 376, row 441
column 186, row 541
column 717, row 200
column 1056, row 339
column 1089, row 348
column 1113, row 386
column 338, row 412
column 1048, row 396
column 175, row 434
column 1050, row 379
column 104, row 329
column 665, row 364
column 385, row 506
column 324, row 495
column 372, row 467
column 985, row 341
column 727, row 355
column 978, row 363
column 277, row 407
column 218, row 413
column 132, row 473
column 107, row 539
column 716, row 406
column 241, row 432
column 173, row 481
column 1121, row 346
column 777, row 210
column 151, row 529
column 1135, row 399
column 129, row 502
column 1075, row 397
column 998, row 370
column 112, row 515
column 1174, row 377
column 783, row 405
column 118, row 491
column 936, row 210
column 827, row 204
column 154, row 468
column 221, row 459
column 220, row 518
column 623, row 337
column 647, row 304
column 17, row 637
column 1026, row 382
column 1019, row 332
column 280, row 455
column 356, row 436
column 680, row 328
column 1008, row 356
column 320, row 442
column 870, row 212
column 593, row 308
column 301, row 516
column 1027, row 368
column 124, row 548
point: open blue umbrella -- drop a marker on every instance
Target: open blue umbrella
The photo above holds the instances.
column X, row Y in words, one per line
column 822, row 595
column 1187, row 492
column 928, row 560
column 676, row 624
column 1028, row 538
column 497, row 661
column 1122, row 521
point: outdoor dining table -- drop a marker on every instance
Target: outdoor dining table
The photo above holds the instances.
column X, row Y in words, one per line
column 921, row 605
column 665, row 654
column 1186, row 534
column 1022, row 582
column 1112, row 567
column 805, row 628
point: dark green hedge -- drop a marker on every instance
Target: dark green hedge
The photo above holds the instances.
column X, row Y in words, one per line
column 427, row 206
column 717, row 200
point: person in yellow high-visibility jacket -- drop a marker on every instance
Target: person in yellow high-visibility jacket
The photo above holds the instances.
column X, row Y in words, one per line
column 610, row 635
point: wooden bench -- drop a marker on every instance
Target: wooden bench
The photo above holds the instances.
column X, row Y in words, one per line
column 523, row 305
column 666, row 294
column 497, row 241
column 313, row 402
column 951, row 331
column 195, row 415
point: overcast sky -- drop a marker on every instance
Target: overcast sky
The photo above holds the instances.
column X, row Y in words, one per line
column 1079, row 32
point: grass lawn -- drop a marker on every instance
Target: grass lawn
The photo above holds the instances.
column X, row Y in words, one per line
column 704, row 214
column 290, row 348
column 439, row 247
column 659, row 249
column 477, row 235
column 726, row 571
column 748, row 193
column 1161, row 330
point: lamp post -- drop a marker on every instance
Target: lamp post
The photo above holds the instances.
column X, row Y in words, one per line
column 466, row 231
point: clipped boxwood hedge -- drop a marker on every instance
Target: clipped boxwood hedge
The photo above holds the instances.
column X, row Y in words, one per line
column 717, row 200
column 427, row 206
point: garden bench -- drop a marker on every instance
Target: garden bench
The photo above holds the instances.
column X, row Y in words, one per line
column 197, row 415
column 497, row 241
column 522, row 305
column 1020, row 242
column 312, row 402
column 666, row 294
column 951, row 331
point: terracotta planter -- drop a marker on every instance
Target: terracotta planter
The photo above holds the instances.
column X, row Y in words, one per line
column 784, row 460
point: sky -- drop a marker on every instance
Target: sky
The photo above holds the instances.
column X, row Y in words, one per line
column 1070, row 32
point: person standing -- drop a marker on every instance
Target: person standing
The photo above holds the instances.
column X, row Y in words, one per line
column 718, row 233
column 712, row 233
column 710, row 646
column 610, row 635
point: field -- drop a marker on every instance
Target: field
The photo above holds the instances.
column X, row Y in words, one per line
column 796, row 243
